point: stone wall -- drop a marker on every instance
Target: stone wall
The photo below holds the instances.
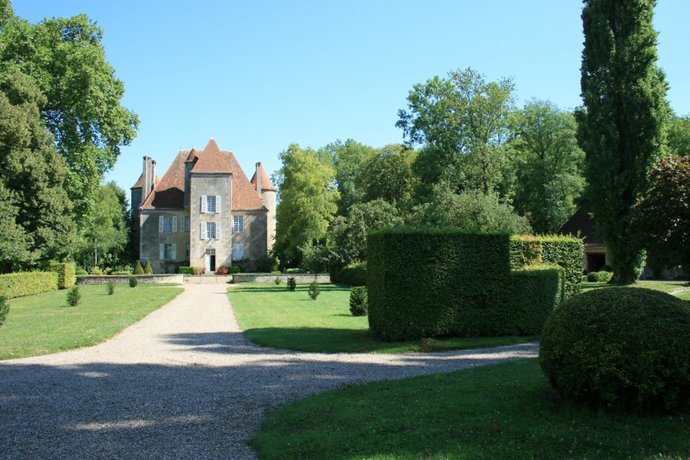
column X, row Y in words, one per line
column 210, row 184
column 270, row 278
column 151, row 238
column 254, row 235
column 124, row 279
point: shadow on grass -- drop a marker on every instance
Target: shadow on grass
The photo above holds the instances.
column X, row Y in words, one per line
column 283, row 288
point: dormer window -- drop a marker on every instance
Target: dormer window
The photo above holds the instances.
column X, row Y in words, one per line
column 210, row 204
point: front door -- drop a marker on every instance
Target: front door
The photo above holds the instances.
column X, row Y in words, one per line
column 210, row 260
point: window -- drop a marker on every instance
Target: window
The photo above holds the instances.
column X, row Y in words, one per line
column 238, row 251
column 167, row 224
column 168, row 251
column 210, row 230
column 238, row 224
column 186, row 224
column 210, row 204
column 187, row 250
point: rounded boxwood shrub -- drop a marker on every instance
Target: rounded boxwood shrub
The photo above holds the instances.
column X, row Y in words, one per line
column 133, row 281
column 291, row 283
column 620, row 348
column 73, row 296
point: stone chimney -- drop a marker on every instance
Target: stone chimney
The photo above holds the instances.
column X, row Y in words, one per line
column 149, row 174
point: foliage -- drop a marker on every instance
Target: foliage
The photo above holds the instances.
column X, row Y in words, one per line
column 308, row 202
column 678, row 139
column 388, row 175
column 104, row 228
column 267, row 264
column 198, row 270
column 65, row 58
column 461, row 121
column 149, row 269
column 443, row 282
column 291, row 283
column 27, row 283
column 40, row 324
column 274, row 317
column 564, row 251
column 501, row 411
column 620, row 348
column 80, row 271
column 35, row 207
column 73, row 296
column 110, row 287
column 354, row 274
column 133, row 281
column 621, row 127
column 599, row 277
column 349, row 159
column 4, row 309
column 359, row 303
column 313, row 290
column 471, row 211
column 278, row 280
column 186, row 270
column 66, row 273
column 548, row 165
column 138, row 269
column 662, row 215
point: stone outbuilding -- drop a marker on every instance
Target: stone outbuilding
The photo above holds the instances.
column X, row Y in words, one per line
column 203, row 212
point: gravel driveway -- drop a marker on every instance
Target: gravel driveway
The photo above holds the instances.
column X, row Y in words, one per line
column 181, row 383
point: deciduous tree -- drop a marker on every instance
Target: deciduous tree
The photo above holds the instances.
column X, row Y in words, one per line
column 621, row 126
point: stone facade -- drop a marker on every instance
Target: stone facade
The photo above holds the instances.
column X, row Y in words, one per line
column 190, row 215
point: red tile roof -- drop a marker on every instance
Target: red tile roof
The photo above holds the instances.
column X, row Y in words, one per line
column 265, row 180
column 169, row 192
column 139, row 183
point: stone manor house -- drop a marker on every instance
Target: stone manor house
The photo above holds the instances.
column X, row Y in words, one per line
column 203, row 212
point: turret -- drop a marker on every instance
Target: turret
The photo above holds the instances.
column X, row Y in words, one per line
column 264, row 187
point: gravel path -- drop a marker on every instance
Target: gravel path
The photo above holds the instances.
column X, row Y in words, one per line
column 181, row 383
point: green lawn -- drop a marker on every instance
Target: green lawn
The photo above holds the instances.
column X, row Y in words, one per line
column 272, row 316
column 504, row 411
column 42, row 323
column 665, row 286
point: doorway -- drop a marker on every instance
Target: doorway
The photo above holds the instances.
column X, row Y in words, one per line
column 210, row 260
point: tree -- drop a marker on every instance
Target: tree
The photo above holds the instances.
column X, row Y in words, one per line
column 679, row 136
column 621, row 127
column 388, row 175
column 548, row 163
column 472, row 210
column 14, row 244
column 662, row 213
column 462, row 122
column 307, row 201
column 349, row 158
column 104, row 235
column 33, row 176
column 66, row 59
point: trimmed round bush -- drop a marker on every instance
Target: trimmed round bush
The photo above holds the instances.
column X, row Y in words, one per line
column 73, row 296
column 133, row 281
column 599, row 277
column 291, row 283
column 620, row 348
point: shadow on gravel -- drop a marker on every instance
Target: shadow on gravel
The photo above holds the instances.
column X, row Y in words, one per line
column 193, row 410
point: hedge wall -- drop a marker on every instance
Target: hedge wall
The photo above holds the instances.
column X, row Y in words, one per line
column 66, row 273
column 28, row 283
column 564, row 251
column 427, row 283
column 354, row 274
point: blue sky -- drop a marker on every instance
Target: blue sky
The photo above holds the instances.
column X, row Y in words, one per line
column 260, row 75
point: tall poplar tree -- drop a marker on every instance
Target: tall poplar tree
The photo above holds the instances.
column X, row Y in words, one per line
column 621, row 127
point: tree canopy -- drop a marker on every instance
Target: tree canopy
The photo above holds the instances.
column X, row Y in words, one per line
column 622, row 124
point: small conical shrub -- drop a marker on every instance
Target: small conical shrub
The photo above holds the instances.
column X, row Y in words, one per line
column 138, row 269
column 314, row 290
column 110, row 287
column 291, row 283
column 359, row 302
column 73, row 296
column 149, row 269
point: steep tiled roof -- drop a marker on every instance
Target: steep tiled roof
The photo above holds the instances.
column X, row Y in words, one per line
column 211, row 160
column 169, row 191
column 140, row 182
column 265, row 180
column 581, row 224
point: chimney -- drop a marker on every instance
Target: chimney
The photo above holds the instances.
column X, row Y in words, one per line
column 258, row 175
column 149, row 174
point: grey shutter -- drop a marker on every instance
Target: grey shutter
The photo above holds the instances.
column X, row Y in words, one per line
column 217, row 204
column 161, row 224
column 203, row 231
column 174, row 224
column 204, row 204
column 173, row 256
column 161, row 251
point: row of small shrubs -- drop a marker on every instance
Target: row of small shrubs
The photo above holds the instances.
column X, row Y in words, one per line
column 599, row 277
column 66, row 273
column 27, row 283
column 441, row 282
column 564, row 251
column 354, row 274
column 139, row 270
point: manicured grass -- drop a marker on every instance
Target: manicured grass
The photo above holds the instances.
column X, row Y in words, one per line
column 665, row 286
column 43, row 323
column 504, row 411
column 272, row 316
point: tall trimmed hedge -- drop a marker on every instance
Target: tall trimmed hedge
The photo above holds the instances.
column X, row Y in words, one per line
column 66, row 273
column 28, row 283
column 428, row 283
column 565, row 251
